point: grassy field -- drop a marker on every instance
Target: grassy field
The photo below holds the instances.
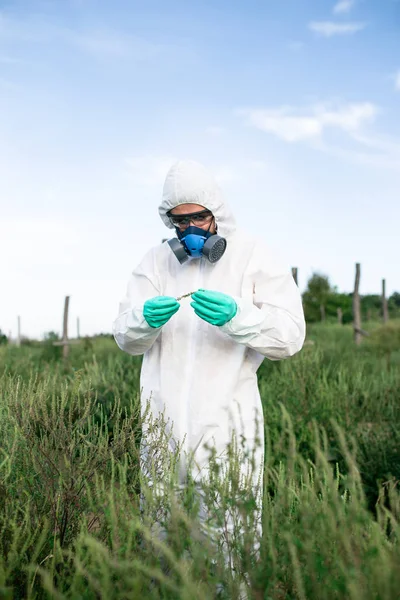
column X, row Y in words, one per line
column 70, row 524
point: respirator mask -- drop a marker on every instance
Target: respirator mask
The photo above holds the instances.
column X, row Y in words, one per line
column 192, row 240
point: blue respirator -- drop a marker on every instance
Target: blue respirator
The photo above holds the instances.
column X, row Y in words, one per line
column 195, row 242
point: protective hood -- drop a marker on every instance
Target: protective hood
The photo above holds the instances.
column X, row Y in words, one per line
column 189, row 182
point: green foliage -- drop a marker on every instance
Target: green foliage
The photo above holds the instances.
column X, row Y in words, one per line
column 333, row 379
column 385, row 340
column 315, row 297
column 51, row 353
column 319, row 287
column 77, row 520
column 394, row 300
column 343, row 301
column 25, row 341
column 371, row 307
column 321, row 299
column 3, row 339
column 394, row 305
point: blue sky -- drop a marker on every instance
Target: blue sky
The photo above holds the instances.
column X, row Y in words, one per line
column 294, row 105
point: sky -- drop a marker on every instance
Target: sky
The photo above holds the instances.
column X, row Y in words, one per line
column 293, row 105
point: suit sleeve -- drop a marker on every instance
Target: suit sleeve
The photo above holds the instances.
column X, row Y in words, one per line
column 130, row 329
column 273, row 322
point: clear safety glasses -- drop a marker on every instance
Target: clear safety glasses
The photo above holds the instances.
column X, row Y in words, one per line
column 198, row 219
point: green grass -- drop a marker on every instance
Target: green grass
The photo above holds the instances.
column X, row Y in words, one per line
column 70, row 521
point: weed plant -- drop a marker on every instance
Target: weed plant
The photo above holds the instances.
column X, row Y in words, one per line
column 79, row 519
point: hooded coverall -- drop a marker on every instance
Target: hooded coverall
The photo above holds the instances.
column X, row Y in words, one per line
column 204, row 377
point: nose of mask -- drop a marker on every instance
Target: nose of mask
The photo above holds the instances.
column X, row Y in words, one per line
column 194, row 244
column 193, row 239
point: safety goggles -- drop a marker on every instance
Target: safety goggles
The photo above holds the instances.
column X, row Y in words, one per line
column 203, row 217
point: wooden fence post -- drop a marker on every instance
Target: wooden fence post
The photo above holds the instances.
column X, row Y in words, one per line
column 19, row 332
column 340, row 316
column 65, row 342
column 294, row 273
column 78, row 332
column 323, row 312
column 65, row 330
column 385, row 311
column 356, row 306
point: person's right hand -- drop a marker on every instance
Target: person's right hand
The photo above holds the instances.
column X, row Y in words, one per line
column 157, row 311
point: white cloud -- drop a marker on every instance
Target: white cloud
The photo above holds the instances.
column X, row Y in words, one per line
column 288, row 127
column 331, row 28
column 343, row 6
column 349, row 118
column 293, row 124
column 371, row 151
column 309, row 126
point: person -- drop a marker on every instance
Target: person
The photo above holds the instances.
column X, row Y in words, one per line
column 201, row 354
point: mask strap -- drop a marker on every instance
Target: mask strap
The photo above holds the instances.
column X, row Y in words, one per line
column 211, row 222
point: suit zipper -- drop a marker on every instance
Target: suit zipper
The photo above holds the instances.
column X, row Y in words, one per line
column 185, row 397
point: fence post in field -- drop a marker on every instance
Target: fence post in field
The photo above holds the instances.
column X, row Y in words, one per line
column 19, row 332
column 78, row 332
column 356, row 306
column 65, row 342
column 340, row 316
column 294, row 273
column 65, row 330
column 385, row 311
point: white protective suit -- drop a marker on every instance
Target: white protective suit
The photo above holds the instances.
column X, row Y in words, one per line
column 203, row 376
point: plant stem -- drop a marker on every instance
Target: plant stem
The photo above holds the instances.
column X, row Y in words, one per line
column 184, row 296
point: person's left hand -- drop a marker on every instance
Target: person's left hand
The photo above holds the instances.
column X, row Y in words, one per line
column 214, row 307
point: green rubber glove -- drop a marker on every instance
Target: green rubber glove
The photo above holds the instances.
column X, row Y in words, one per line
column 214, row 307
column 157, row 311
